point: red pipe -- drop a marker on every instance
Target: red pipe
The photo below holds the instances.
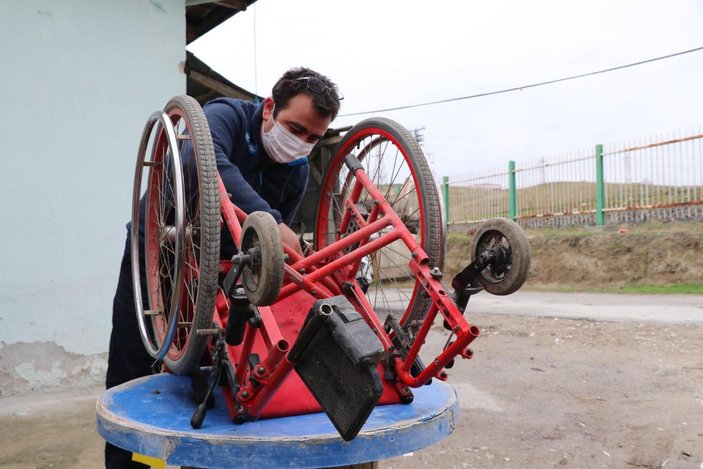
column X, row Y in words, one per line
column 275, row 354
column 341, row 262
column 247, row 347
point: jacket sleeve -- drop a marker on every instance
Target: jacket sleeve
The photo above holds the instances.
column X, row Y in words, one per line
column 295, row 196
column 227, row 124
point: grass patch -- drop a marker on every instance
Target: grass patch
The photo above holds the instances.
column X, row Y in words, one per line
column 681, row 288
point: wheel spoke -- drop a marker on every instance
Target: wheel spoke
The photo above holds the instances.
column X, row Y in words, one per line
column 175, row 273
column 392, row 161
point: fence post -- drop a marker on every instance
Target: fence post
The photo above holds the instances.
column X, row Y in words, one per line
column 445, row 198
column 513, row 192
column 600, row 187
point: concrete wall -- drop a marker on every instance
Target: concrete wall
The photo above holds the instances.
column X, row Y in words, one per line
column 78, row 80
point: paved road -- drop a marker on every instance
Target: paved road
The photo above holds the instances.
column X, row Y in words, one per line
column 674, row 309
column 671, row 309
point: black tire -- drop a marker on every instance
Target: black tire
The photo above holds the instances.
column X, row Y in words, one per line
column 203, row 202
column 507, row 233
column 181, row 283
column 261, row 238
column 384, row 148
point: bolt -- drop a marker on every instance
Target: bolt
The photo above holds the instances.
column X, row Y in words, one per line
column 239, row 408
column 245, row 394
column 261, row 370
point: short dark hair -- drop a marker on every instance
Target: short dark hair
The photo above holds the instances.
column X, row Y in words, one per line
column 325, row 96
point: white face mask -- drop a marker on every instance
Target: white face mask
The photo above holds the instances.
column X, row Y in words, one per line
column 282, row 146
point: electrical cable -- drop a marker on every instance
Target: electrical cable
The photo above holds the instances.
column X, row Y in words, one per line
column 256, row 65
column 524, row 87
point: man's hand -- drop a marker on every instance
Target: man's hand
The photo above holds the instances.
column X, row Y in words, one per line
column 289, row 238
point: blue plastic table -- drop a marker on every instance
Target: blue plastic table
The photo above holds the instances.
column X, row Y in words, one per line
column 151, row 416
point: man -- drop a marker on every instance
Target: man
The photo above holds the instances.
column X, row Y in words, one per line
column 261, row 152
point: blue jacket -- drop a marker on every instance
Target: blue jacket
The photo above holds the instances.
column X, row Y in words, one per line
column 249, row 175
column 253, row 179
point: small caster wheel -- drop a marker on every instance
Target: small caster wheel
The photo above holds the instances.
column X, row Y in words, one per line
column 507, row 239
column 263, row 276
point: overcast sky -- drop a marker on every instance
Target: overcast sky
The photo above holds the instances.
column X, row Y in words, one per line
column 387, row 53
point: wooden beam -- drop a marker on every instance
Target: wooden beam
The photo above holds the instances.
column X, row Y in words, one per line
column 233, row 4
column 217, row 86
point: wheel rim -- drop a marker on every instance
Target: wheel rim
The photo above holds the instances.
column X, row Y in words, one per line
column 164, row 240
column 172, row 241
column 488, row 240
column 386, row 161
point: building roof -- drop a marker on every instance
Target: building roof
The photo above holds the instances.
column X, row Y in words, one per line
column 203, row 15
column 202, row 82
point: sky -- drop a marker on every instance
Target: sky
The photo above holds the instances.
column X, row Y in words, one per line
column 388, row 53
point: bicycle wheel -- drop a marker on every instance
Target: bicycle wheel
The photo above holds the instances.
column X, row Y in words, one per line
column 179, row 252
column 395, row 163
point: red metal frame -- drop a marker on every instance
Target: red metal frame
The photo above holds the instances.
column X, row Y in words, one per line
column 323, row 274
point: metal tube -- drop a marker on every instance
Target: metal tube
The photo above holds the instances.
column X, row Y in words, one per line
column 600, row 193
column 317, row 320
column 243, row 365
column 513, row 190
column 343, row 262
column 275, row 354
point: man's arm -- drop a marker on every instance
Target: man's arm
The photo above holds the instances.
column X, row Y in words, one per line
column 290, row 238
column 226, row 126
column 290, row 207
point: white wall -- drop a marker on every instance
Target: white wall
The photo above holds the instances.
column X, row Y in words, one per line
column 78, row 79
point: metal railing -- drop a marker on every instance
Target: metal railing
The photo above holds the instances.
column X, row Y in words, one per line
column 666, row 171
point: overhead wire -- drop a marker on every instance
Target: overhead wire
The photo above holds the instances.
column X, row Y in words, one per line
column 256, row 63
column 524, row 87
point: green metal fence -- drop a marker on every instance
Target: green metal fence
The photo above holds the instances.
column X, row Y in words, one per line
column 666, row 171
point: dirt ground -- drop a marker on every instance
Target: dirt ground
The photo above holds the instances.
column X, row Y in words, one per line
column 539, row 392
column 545, row 392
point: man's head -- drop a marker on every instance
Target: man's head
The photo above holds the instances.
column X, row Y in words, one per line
column 303, row 104
column 324, row 93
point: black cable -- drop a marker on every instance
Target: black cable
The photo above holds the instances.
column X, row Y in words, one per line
column 519, row 88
